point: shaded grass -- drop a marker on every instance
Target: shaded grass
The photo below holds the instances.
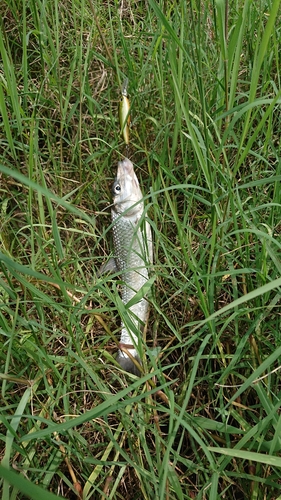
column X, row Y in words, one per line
column 205, row 92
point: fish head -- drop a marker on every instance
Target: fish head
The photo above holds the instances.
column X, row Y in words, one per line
column 126, row 190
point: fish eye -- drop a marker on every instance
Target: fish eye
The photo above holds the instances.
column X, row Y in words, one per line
column 116, row 188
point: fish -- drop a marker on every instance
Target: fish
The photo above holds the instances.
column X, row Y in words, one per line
column 133, row 256
column 124, row 112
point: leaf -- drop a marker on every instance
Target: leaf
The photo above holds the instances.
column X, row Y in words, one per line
column 24, row 486
column 248, row 455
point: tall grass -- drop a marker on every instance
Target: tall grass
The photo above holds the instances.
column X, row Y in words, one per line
column 204, row 81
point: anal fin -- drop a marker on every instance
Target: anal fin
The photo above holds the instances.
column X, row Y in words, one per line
column 108, row 267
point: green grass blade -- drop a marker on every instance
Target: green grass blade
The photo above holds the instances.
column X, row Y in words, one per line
column 25, row 486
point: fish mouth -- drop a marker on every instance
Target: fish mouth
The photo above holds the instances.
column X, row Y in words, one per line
column 125, row 171
column 125, row 167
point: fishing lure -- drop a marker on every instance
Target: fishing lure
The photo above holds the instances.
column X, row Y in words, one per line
column 124, row 112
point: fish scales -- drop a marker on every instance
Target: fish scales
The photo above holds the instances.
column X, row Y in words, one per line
column 133, row 253
column 131, row 261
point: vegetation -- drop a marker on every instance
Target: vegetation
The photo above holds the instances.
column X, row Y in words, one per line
column 205, row 87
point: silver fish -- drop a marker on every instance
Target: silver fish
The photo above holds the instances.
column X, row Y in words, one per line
column 133, row 255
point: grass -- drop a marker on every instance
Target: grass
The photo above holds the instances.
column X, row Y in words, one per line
column 204, row 82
